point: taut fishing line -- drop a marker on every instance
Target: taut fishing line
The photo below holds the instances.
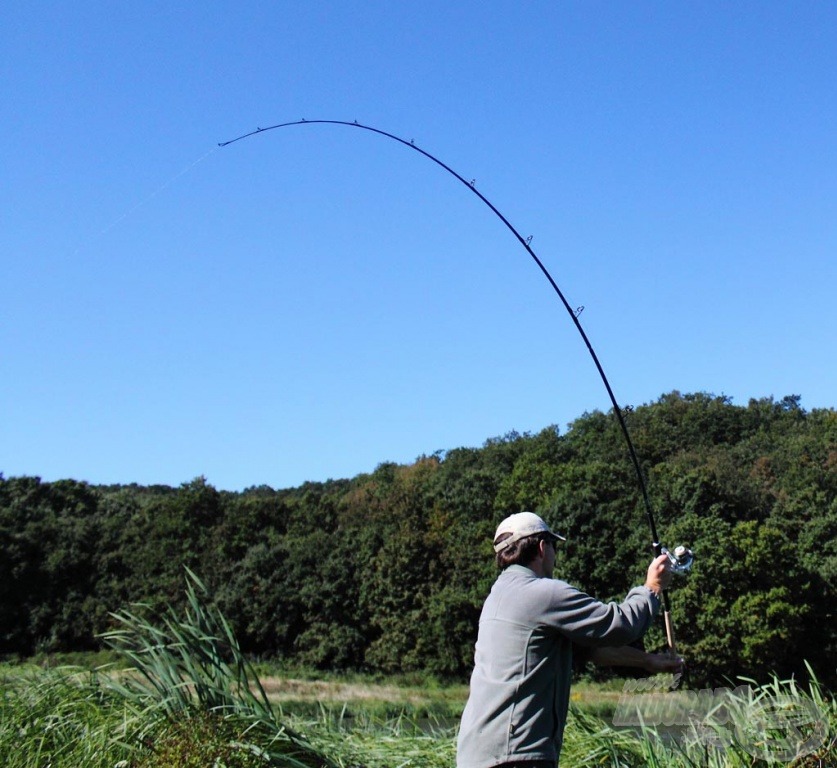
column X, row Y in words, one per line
column 145, row 200
column 681, row 558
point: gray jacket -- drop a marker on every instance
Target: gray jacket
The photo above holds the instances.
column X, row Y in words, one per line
column 520, row 687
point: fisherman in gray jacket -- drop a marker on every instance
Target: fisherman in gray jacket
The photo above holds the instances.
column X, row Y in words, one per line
column 520, row 686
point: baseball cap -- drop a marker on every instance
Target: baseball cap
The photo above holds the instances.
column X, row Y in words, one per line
column 520, row 525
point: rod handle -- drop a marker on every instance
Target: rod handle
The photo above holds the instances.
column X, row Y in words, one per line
column 669, row 633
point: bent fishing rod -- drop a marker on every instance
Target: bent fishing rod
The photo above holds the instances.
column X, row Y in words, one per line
column 681, row 558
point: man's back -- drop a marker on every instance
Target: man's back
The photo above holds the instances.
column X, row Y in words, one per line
column 523, row 661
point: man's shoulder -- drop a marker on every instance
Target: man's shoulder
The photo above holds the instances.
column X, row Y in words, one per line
column 520, row 577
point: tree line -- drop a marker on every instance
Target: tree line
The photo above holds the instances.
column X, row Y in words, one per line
column 387, row 571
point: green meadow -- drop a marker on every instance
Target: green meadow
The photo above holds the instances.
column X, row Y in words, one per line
column 175, row 691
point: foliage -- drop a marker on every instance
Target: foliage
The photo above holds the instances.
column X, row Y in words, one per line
column 387, row 571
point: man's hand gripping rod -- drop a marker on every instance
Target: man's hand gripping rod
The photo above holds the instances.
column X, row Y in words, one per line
column 680, row 562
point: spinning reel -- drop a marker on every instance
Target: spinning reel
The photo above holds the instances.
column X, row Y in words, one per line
column 681, row 559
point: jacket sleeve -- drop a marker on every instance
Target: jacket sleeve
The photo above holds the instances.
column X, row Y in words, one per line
column 588, row 622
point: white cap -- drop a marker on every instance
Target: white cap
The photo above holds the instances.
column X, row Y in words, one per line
column 520, row 525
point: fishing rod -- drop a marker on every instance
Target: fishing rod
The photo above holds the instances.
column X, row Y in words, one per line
column 681, row 558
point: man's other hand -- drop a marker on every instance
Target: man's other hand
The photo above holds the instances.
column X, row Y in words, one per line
column 656, row 663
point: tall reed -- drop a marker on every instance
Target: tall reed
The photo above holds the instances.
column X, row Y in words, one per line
column 190, row 669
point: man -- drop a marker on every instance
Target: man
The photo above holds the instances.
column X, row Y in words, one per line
column 520, row 686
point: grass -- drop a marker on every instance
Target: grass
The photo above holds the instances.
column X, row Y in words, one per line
column 62, row 717
column 178, row 693
column 775, row 723
column 66, row 717
column 722, row 740
column 359, row 698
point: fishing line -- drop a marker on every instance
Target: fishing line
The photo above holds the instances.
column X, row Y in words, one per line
column 145, row 200
column 681, row 560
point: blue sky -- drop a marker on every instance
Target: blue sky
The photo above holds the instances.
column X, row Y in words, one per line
column 316, row 300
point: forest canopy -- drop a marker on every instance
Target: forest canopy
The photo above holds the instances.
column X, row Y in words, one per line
column 387, row 571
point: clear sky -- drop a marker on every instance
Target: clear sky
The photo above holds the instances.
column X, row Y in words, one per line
column 316, row 300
